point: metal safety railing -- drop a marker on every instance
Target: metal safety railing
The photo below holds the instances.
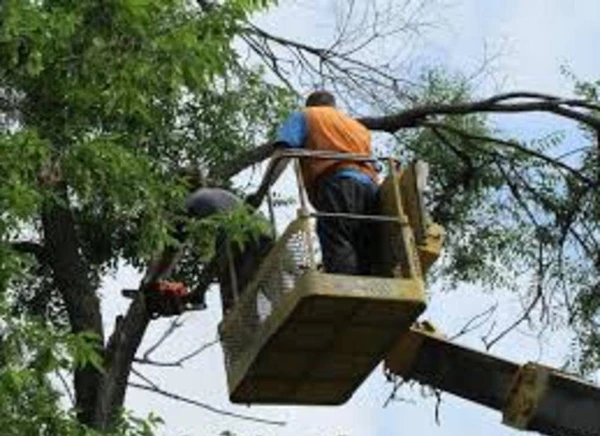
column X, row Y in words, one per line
column 392, row 213
column 392, row 163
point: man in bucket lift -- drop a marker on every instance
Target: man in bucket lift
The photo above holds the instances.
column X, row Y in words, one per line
column 237, row 265
column 334, row 186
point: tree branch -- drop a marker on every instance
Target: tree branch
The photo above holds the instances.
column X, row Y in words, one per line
column 120, row 352
column 496, row 104
column 145, row 360
column 419, row 117
column 153, row 387
column 527, row 312
column 29, row 247
column 174, row 325
column 242, row 161
column 475, row 322
column 556, row 163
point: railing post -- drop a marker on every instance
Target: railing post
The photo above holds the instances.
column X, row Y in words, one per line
column 412, row 267
column 304, row 213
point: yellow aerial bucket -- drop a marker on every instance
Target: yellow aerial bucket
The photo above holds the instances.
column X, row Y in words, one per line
column 300, row 336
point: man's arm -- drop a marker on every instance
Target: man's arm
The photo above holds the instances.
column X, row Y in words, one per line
column 291, row 134
column 276, row 167
column 162, row 265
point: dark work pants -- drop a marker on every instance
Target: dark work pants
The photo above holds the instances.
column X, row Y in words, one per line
column 347, row 244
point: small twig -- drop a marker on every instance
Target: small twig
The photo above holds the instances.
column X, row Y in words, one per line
column 144, row 378
column 397, row 385
column 475, row 322
column 66, row 387
column 438, row 403
column 525, row 315
column 175, row 324
column 157, row 390
column 488, row 333
column 398, row 382
column 179, row 362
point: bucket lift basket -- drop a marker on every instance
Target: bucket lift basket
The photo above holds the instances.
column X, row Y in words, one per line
column 298, row 335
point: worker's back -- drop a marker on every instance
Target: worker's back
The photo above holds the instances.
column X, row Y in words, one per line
column 329, row 129
column 245, row 259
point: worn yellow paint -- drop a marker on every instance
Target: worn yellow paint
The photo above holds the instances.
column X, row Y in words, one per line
column 324, row 338
column 527, row 390
column 324, row 333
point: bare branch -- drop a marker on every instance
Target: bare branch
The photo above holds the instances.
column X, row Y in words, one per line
column 509, row 144
column 475, row 322
column 152, row 387
column 179, row 362
column 174, row 325
column 397, row 382
column 66, row 387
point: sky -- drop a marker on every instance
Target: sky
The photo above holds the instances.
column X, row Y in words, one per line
column 533, row 39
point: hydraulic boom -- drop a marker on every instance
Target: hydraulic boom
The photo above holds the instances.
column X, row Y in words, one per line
column 530, row 396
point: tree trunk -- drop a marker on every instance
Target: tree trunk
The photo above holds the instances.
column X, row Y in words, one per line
column 71, row 276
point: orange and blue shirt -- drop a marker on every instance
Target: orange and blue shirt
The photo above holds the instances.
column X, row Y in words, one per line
column 326, row 128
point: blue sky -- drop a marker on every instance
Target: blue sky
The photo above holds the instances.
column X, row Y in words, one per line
column 534, row 38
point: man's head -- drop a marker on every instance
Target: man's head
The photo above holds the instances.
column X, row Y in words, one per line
column 193, row 177
column 320, row 98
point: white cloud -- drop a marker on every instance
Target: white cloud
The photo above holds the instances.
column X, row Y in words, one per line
column 537, row 36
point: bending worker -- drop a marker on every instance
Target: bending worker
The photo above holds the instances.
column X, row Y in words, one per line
column 334, row 186
column 236, row 265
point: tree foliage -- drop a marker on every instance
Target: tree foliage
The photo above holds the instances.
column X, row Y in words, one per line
column 105, row 104
column 33, row 357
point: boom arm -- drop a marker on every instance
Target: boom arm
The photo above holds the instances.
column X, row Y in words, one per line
column 531, row 397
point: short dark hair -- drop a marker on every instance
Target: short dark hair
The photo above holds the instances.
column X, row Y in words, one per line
column 320, row 98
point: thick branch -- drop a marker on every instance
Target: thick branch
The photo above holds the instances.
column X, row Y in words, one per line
column 576, row 110
column 413, row 117
column 241, row 162
column 121, row 349
column 29, row 247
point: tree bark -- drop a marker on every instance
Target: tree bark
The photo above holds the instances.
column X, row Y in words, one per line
column 99, row 396
column 120, row 351
column 71, row 277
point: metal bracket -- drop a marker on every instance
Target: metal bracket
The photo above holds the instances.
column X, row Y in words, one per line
column 525, row 394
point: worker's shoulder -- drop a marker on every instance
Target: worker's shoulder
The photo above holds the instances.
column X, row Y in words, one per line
column 207, row 201
column 330, row 115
